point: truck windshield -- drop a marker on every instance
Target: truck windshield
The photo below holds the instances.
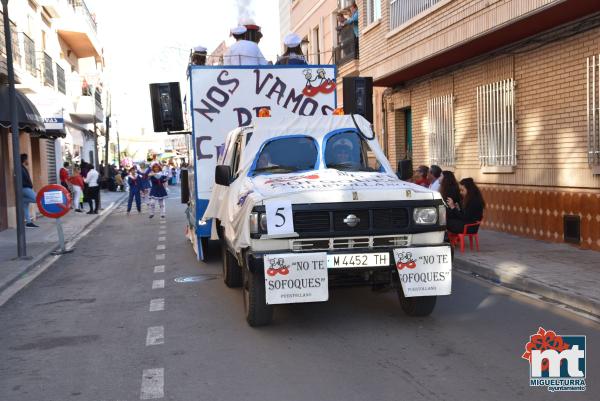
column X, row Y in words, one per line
column 286, row 155
column 348, row 151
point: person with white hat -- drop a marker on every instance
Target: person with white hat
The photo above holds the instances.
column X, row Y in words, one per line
column 293, row 53
column 243, row 52
column 198, row 56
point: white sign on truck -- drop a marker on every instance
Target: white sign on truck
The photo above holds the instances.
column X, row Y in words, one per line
column 226, row 97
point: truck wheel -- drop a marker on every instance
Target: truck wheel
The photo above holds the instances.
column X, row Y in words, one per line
column 257, row 312
column 416, row 306
column 232, row 272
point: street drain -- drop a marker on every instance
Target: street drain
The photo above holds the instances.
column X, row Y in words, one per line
column 193, row 279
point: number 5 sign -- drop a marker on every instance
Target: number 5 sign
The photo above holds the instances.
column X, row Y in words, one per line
column 279, row 217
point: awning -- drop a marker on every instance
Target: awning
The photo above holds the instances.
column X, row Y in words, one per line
column 28, row 115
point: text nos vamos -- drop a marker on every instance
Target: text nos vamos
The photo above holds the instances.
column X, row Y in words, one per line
column 271, row 86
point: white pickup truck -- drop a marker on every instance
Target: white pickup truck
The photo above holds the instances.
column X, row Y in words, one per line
column 305, row 204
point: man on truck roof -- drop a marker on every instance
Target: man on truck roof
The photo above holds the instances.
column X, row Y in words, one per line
column 243, row 52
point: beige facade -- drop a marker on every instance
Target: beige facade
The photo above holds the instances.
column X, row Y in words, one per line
column 495, row 90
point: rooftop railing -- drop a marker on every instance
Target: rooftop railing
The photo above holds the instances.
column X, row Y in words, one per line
column 81, row 8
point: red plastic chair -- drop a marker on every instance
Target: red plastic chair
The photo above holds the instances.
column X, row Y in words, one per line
column 460, row 238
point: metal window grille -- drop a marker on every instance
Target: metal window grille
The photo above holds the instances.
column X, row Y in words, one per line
column 593, row 109
column 373, row 11
column 496, row 124
column 440, row 112
column 403, row 10
column 60, row 80
column 48, row 70
column 30, row 61
column 14, row 39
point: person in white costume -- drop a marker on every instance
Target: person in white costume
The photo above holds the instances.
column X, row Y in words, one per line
column 243, row 52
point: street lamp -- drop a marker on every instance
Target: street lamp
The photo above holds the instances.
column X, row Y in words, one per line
column 14, row 122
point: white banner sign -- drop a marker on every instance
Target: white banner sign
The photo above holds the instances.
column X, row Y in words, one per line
column 296, row 277
column 424, row 271
column 280, row 219
column 224, row 98
column 53, row 197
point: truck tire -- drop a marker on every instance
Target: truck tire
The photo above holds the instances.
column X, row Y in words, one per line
column 416, row 306
column 232, row 272
column 257, row 312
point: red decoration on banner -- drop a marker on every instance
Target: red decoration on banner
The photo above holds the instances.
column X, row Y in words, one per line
column 284, row 271
column 411, row 264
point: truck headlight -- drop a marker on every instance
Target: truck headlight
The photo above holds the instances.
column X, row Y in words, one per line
column 425, row 215
column 442, row 214
column 262, row 222
column 254, row 223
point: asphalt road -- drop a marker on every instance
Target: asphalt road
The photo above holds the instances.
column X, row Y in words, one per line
column 99, row 326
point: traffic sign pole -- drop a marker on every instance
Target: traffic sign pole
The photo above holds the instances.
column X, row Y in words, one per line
column 54, row 201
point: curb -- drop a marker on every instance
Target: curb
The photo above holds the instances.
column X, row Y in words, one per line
column 526, row 284
column 39, row 259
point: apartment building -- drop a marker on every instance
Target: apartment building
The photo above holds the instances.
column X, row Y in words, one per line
column 59, row 66
column 504, row 91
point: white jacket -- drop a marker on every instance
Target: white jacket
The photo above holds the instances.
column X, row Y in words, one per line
column 244, row 52
column 92, row 178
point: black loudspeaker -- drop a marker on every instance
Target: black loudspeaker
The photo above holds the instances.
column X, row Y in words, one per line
column 185, row 186
column 167, row 114
column 358, row 96
column 405, row 169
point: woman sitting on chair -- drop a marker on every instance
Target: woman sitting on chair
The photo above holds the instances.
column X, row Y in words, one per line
column 469, row 212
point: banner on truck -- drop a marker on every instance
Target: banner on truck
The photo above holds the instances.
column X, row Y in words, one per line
column 226, row 97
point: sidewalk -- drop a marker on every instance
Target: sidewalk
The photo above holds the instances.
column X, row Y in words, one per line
column 559, row 272
column 43, row 240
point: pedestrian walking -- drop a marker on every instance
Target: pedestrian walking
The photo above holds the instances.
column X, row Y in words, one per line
column 158, row 192
column 77, row 183
column 93, row 195
column 145, row 185
column 134, row 180
column 28, row 192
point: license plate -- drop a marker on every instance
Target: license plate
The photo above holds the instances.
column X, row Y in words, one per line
column 358, row 260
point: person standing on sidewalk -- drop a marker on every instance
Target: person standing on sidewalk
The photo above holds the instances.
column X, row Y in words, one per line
column 93, row 195
column 134, row 179
column 28, row 192
column 158, row 193
column 77, row 183
column 64, row 175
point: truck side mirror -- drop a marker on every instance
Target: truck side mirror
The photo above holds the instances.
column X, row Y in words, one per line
column 223, row 175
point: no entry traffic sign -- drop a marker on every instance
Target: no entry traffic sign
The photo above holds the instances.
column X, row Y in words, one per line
column 53, row 201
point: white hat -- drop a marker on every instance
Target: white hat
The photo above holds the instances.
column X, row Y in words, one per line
column 199, row 49
column 238, row 30
column 292, row 40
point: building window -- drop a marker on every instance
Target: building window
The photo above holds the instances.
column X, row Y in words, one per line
column 593, row 109
column 30, row 61
column 373, row 11
column 496, row 124
column 48, row 70
column 440, row 112
column 403, row 10
column 60, row 80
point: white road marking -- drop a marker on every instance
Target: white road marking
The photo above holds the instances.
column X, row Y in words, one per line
column 159, row 269
column 162, row 239
column 160, row 256
column 155, row 336
column 163, row 222
column 162, row 232
column 162, row 227
column 157, row 305
column 158, row 284
column 153, row 384
column 161, row 247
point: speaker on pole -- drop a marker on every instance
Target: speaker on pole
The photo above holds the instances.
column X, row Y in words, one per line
column 167, row 114
column 358, row 96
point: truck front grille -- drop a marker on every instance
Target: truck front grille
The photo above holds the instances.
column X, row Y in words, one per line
column 333, row 244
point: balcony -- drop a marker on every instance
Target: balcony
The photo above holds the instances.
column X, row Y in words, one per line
column 402, row 11
column 78, row 28
column 29, row 55
column 15, row 47
column 347, row 49
column 88, row 108
column 60, row 80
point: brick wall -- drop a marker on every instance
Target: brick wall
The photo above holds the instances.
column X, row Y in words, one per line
column 552, row 176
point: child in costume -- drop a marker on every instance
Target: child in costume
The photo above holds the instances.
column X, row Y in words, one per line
column 134, row 180
column 158, row 193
